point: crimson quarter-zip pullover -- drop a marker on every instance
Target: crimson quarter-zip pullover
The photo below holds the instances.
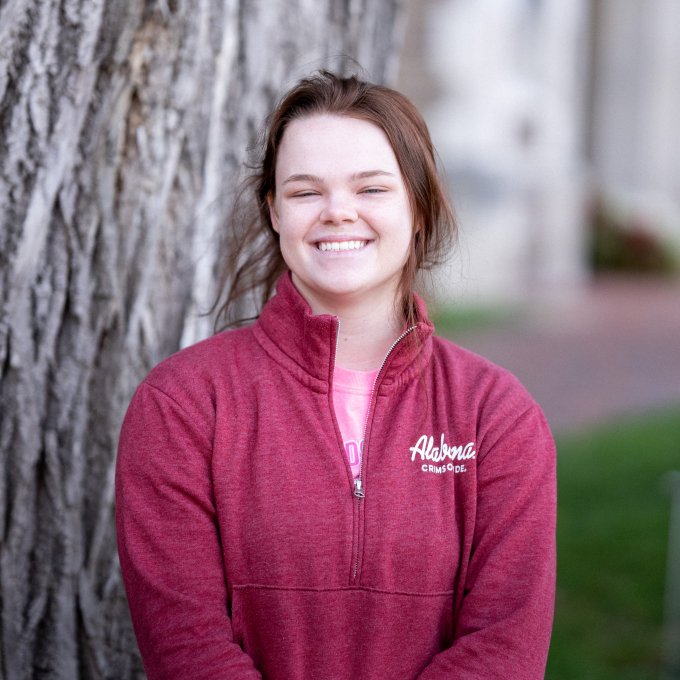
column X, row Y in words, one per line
column 247, row 552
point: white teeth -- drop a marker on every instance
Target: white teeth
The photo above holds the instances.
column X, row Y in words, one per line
column 341, row 245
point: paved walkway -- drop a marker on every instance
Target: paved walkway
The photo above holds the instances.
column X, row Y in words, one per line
column 611, row 351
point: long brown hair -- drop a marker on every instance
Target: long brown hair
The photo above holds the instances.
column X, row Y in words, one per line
column 252, row 261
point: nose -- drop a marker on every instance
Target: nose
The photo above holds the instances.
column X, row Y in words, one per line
column 339, row 209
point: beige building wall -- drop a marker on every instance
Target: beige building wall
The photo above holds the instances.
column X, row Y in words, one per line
column 502, row 85
column 634, row 142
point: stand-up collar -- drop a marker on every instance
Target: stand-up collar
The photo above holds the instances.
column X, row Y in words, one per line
column 309, row 340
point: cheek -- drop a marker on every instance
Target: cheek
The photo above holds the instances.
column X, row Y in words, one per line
column 406, row 251
column 294, row 221
column 291, row 237
column 403, row 232
column 288, row 245
column 290, row 254
column 285, row 227
column 404, row 243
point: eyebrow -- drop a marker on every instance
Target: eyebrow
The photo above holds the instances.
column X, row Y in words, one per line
column 371, row 173
column 366, row 174
column 302, row 178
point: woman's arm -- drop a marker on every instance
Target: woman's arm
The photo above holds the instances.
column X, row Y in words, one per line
column 169, row 544
column 503, row 629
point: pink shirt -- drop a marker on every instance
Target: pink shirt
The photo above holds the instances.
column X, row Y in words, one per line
column 351, row 400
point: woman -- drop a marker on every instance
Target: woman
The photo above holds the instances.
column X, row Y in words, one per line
column 334, row 492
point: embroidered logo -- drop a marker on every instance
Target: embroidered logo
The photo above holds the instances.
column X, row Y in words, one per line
column 439, row 454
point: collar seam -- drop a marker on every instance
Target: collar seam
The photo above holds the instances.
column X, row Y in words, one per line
column 283, row 360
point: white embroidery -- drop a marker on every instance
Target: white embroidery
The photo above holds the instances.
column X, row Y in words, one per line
column 437, row 454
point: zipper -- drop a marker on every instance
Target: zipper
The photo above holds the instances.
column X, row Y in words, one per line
column 359, row 491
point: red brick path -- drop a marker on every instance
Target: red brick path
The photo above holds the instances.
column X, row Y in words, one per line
column 612, row 351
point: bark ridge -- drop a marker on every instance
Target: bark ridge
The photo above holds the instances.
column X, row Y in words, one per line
column 122, row 125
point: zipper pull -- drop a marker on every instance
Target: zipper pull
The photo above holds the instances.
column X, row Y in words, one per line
column 358, row 491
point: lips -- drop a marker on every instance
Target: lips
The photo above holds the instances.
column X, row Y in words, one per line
column 340, row 245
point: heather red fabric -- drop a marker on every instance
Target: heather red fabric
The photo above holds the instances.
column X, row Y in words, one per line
column 246, row 554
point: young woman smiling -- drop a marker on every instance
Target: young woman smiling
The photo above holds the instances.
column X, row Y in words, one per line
column 333, row 491
column 338, row 184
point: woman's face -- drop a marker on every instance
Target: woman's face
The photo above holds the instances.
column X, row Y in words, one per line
column 341, row 210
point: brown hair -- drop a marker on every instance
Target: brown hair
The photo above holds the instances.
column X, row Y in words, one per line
column 252, row 262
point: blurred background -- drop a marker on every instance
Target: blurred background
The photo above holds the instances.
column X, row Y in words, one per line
column 558, row 125
column 124, row 125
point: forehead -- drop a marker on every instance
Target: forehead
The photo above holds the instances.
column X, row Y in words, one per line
column 333, row 142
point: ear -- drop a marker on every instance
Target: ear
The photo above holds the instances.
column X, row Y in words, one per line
column 273, row 215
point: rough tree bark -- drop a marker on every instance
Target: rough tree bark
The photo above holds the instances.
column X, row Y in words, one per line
column 121, row 124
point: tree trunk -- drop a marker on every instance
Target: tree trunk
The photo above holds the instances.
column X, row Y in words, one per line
column 122, row 123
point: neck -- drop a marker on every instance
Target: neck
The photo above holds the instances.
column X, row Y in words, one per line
column 365, row 337
column 368, row 327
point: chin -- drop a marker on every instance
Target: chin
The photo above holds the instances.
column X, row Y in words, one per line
column 340, row 291
column 340, row 287
column 343, row 285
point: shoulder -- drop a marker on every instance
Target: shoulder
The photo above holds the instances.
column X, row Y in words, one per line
column 489, row 395
column 476, row 374
column 200, row 367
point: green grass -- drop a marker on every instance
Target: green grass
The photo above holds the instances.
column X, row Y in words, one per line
column 612, row 534
column 454, row 320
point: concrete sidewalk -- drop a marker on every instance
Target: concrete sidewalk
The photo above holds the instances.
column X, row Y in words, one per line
column 612, row 350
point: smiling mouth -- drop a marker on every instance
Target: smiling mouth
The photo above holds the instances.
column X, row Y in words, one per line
column 341, row 245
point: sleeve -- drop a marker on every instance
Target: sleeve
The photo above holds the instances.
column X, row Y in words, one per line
column 169, row 544
column 503, row 627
